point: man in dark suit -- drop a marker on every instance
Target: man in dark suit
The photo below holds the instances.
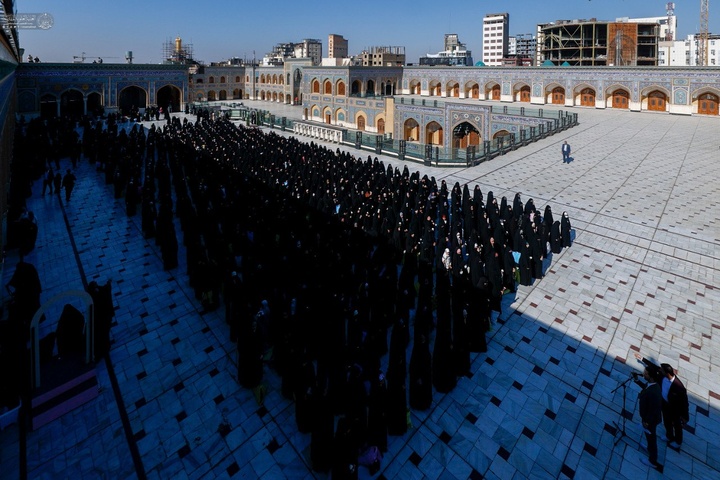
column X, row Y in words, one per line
column 566, row 152
column 674, row 407
column 650, row 400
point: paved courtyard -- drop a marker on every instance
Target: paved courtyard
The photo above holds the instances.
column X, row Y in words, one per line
column 642, row 192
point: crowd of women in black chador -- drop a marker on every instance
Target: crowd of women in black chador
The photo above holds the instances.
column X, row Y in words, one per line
column 319, row 257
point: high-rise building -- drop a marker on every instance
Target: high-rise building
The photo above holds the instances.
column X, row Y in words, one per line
column 309, row 48
column 495, row 38
column 337, row 46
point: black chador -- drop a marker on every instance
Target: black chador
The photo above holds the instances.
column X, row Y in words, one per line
column 555, row 239
column 377, row 415
column 396, row 381
column 304, row 389
column 250, row 361
column 323, row 426
column 443, row 365
column 420, row 374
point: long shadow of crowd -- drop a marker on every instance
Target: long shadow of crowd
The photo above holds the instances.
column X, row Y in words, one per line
column 325, row 263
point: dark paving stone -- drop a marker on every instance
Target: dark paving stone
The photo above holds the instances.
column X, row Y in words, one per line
column 590, row 449
column 495, row 401
column 415, row 459
column 471, row 418
column 504, row 454
column 140, row 403
column 445, row 437
column 219, row 399
column 537, row 370
column 233, row 469
column 179, row 387
column 550, row 414
column 184, row 451
column 567, row 471
column 181, row 416
column 528, row 433
column 273, row 446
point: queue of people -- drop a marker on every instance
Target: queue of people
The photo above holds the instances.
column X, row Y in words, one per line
column 326, row 263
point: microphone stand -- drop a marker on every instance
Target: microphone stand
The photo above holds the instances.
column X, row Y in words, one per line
column 621, row 427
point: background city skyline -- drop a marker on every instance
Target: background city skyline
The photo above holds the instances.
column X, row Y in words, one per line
column 226, row 28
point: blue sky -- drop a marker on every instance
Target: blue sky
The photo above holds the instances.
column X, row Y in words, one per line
column 220, row 29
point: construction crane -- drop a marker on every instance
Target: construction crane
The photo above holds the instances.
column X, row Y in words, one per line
column 704, row 33
column 81, row 58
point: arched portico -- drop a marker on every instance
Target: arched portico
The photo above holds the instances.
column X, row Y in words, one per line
column 415, row 87
column 340, row 88
column 618, row 97
column 655, row 99
column 584, row 96
column 452, row 89
column 522, row 93
column 380, row 125
column 132, row 96
column 169, row 96
column 360, row 121
column 472, row 90
column 492, row 91
column 72, row 103
column 555, row 94
column 706, row 101
column 411, row 130
column 433, row 134
column 435, row 89
column 465, row 134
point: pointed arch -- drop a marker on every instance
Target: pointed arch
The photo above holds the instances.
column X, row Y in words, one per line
column 380, row 125
column 472, row 90
column 452, row 89
column 492, row 91
column 706, row 100
column 327, row 87
column 340, row 116
column 415, row 87
column 356, row 88
column 464, row 135
column 340, row 88
column 522, row 92
column 315, row 86
column 434, row 133
column 655, row 100
column 435, row 88
column 411, row 130
column 360, row 121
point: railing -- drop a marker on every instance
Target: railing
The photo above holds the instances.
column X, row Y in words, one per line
column 436, row 154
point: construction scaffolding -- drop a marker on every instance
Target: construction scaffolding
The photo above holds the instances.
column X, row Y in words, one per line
column 174, row 52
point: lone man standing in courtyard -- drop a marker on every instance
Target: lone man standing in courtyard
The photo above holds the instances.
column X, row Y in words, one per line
column 566, row 152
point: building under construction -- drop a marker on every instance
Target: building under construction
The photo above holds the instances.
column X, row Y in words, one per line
column 625, row 42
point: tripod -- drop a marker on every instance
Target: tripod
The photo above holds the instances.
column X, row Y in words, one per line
column 621, row 427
